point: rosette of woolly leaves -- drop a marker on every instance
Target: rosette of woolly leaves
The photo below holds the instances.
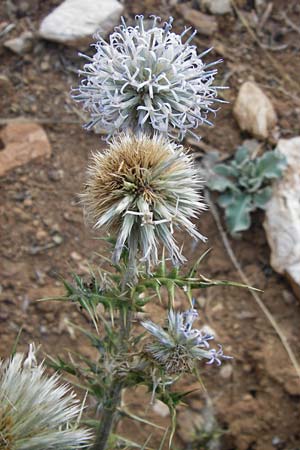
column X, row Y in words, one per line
column 147, row 78
column 244, row 184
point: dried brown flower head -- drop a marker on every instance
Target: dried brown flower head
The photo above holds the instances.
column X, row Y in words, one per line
column 139, row 189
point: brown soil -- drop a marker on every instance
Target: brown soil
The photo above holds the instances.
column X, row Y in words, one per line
column 43, row 232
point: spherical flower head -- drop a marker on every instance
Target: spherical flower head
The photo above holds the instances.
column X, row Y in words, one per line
column 149, row 80
column 177, row 347
column 36, row 411
column 140, row 189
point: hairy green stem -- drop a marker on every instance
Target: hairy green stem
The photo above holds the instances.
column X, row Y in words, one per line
column 108, row 417
column 115, row 390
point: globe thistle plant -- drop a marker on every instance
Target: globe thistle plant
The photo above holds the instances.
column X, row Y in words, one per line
column 147, row 79
column 35, row 411
column 141, row 189
column 178, row 347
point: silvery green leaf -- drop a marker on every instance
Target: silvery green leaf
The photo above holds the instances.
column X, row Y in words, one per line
column 225, row 199
column 218, row 183
column 254, row 184
column 238, row 214
column 271, row 164
column 226, row 170
column 241, row 155
column 261, row 198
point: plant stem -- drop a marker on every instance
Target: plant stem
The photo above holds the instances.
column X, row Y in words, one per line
column 115, row 390
column 108, row 416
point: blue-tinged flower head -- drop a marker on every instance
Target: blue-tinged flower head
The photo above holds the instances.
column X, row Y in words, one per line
column 147, row 79
column 178, row 347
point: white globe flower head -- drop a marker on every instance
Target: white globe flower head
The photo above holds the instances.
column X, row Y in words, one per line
column 149, row 80
column 36, row 412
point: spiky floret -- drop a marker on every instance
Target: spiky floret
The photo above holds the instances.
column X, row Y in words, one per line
column 177, row 348
column 139, row 189
column 147, row 80
column 35, row 410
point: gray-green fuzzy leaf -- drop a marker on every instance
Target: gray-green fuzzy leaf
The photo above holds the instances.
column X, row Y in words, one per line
column 220, row 184
column 238, row 214
column 261, row 198
column 271, row 164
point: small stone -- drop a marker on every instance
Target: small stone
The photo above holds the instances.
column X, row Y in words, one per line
column 6, row 86
column 21, row 215
column 204, row 24
column 219, row 7
column 75, row 256
column 43, row 329
column 45, row 66
column 41, row 235
column 254, row 111
column 75, row 21
column 282, row 219
column 28, row 202
column 55, row 174
column 226, row 371
column 22, row 44
column 57, row 239
column 161, row 408
column 23, row 7
column 23, row 142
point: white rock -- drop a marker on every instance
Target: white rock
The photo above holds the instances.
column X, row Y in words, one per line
column 282, row 220
column 161, row 408
column 254, row 111
column 75, row 21
column 217, row 6
column 204, row 23
column 22, row 44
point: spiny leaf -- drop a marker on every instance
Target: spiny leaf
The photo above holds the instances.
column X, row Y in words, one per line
column 195, row 267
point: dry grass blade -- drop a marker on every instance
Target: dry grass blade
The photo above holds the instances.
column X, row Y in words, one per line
column 245, row 280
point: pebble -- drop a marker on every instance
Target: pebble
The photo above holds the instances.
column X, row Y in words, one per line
column 75, row 256
column 226, row 371
column 57, row 239
column 23, row 142
column 22, row 44
column 218, row 7
column 254, row 111
column 55, row 174
column 74, row 22
column 6, row 87
column 41, row 234
column 161, row 408
column 203, row 23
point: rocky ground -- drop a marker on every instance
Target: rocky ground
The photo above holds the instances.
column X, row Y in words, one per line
column 252, row 402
